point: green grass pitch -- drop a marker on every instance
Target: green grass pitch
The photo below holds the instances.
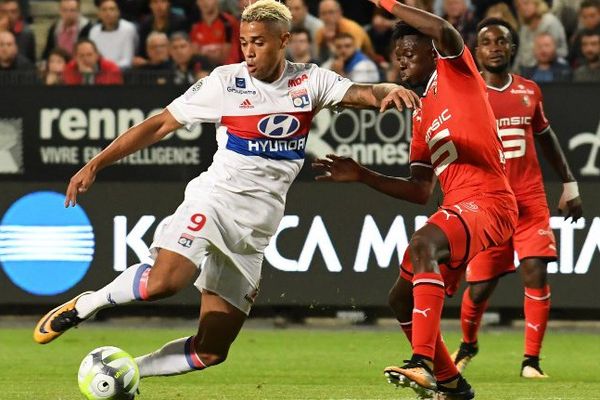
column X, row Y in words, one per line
column 298, row 364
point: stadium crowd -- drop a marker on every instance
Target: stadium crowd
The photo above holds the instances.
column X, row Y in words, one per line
column 179, row 41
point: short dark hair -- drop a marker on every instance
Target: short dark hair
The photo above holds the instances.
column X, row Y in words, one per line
column 62, row 53
column 300, row 30
column 85, row 40
column 402, row 29
column 182, row 35
column 492, row 21
column 589, row 4
column 590, row 32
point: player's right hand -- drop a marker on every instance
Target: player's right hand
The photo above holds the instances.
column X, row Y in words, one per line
column 337, row 169
column 79, row 183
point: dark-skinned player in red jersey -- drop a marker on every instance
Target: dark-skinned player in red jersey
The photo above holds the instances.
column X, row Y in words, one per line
column 455, row 139
column 517, row 105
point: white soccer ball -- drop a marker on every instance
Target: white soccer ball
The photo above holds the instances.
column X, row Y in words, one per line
column 108, row 373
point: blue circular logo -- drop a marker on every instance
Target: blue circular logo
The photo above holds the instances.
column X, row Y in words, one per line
column 45, row 248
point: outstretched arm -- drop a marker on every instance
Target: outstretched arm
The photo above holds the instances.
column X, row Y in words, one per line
column 381, row 95
column 135, row 138
column 446, row 39
column 416, row 188
column 570, row 202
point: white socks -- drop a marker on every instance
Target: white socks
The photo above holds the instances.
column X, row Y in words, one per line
column 129, row 286
column 174, row 358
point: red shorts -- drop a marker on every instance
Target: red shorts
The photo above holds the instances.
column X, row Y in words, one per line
column 470, row 226
column 533, row 238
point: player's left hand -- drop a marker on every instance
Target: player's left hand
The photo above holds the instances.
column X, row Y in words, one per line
column 572, row 208
column 400, row 98
column 337, row 169
column 569, row 204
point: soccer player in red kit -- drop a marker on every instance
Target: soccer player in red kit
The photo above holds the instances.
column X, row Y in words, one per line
column 455, row 139
column 517, row 105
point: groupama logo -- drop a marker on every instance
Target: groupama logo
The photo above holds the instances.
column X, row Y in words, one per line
column 45, row 248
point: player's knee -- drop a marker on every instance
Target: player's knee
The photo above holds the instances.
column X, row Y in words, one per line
column 534, row 273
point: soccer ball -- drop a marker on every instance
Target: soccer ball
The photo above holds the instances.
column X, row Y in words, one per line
column 108, row 373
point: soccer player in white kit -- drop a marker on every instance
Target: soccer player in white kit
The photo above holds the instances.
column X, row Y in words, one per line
column 263, row 108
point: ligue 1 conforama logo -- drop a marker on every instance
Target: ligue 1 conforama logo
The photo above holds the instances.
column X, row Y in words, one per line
column 45, row 248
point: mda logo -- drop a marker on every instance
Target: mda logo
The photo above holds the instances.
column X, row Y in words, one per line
column 45, row 248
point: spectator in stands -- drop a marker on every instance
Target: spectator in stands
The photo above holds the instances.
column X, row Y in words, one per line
column 458, row 14
column 90, row 68
column 549, row 67
column 11, row 11
column 566, row 12
column 589, row 19
column 54, row 70
column 299, row 48
column 217, row 35
column 348, row 61
column 535, row 19
column 70, row 27
column 330, row 12
column 187, row 67
column 157, row 69
column 301, row 18
column 234, row 7
column 115, row 38
column 503, row 12
column 10, row 59
column 162, row 19
column 380, row 32
column 590, row 47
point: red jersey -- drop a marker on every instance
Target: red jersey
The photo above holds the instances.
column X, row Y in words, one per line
column 520, row 115
column 455, row 132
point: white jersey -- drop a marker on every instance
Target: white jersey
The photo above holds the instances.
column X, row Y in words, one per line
column 262, row 131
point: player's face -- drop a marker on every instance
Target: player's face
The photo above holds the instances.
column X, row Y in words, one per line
column 494, row 48
column 263, row 45
column 416, row 60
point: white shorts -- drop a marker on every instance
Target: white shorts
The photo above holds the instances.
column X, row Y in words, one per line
column 229, row 254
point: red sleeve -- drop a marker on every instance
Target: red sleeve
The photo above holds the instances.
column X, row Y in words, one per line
column 539, row 122
column 419, row 151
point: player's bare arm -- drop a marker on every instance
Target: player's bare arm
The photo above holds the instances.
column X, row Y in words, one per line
column 417, row 188
column 382, row 96
column 447, row 40
column 135, row 138
column 570, row 202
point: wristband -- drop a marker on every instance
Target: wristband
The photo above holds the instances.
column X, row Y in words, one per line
column 570, row 191
column 388, row 4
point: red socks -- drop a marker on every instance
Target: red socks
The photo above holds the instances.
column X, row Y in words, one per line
column 443, row 366
column 537, row 308
column 428, row 293
column 470, row 317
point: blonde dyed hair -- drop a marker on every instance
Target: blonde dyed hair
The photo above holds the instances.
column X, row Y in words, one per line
column 268, row 11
